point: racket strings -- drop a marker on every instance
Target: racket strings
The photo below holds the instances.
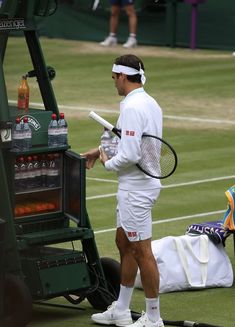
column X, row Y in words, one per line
column 157, row 158
column 150, row 156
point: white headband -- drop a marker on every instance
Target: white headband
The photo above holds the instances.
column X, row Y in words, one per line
column 129, row 71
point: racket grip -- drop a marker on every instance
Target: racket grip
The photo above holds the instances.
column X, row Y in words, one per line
column 101, row 120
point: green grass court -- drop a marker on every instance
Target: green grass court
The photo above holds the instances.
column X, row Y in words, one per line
column 196, row 91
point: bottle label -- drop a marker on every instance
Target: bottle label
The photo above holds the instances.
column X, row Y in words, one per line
column 17, row 135
column 23, row 101
column 53, row 172
column 17, row 175
column 53, row 132
column 23, row 173
column 64, row 130
column 27, row 135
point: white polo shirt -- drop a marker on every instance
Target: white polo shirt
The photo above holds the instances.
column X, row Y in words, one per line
column 139, row 114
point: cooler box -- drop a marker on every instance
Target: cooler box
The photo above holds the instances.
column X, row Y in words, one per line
column 52, row 271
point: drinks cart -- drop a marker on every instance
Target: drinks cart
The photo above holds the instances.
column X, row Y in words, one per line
column 49, row 244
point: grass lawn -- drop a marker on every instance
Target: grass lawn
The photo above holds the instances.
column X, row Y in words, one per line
column 196, row 92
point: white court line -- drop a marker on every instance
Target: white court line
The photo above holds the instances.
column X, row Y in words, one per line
column 102, row 180
column 203, row 120
column 103, row 110
column 200, row 181
column 166, row 186
column 169, row 220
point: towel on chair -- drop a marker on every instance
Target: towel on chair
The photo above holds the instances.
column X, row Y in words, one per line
column 229, row 216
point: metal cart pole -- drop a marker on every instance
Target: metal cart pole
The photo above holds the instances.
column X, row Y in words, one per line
column 2, row 270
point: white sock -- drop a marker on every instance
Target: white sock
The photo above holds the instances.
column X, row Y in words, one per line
column 124, row 298
column 133, row 35
column 112, row 34
column 153, row 309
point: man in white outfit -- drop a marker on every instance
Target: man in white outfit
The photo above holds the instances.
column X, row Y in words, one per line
column 139, row 114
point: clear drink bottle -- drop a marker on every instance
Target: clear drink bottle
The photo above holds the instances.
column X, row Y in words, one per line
column 17, row 135
column 22, row 174
column 63, row 131
column 37, row 171
column 106, row 142
column 53, row 132
column 44, row 167
column 30, row 173
column 17, row 175
column 53, row 173
column 27, row 134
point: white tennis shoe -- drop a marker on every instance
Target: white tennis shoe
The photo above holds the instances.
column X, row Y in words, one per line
column 144, row 321
column 113, row 317
column 130, row 43
column 109, row 41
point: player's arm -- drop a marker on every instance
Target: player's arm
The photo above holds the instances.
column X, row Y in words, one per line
column 129, row 151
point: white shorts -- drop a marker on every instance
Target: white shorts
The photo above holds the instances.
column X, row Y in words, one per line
column 134, row 213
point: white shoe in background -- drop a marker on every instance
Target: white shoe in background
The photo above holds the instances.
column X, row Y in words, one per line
column 109, row 41
column 130, row 43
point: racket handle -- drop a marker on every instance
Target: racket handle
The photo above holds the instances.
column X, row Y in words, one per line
column 95, row 5
column 101, row 120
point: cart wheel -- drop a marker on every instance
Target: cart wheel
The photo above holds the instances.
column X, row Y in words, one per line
column 17, row 302
column 100, row 299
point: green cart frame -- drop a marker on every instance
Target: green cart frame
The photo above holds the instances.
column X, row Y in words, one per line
column 38, row 264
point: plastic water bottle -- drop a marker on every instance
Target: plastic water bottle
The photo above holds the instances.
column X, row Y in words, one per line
column 27, row 134
column 17, row 135
column 63, row 131
column 17, row 175
column 37, row 171
column 30, row 173
column 114, row 146
column 44, row 165
column 22, row 174
column 53, row 132
column 53, row 174
column 106, row 142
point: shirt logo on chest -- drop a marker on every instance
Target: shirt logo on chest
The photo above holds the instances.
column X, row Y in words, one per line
column 130, row 133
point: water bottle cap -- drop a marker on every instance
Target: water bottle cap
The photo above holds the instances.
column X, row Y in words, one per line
column 53, row 116
column 61, row 115
column 17, row 120
column 25, row 119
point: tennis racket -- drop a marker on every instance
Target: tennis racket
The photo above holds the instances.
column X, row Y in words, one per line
column 158, row 158
column 181, row 323
column 95, row 4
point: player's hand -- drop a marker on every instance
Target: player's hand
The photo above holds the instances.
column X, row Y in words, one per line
column 103, row 156
column 91, row 157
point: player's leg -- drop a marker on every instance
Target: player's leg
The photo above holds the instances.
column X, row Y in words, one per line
column 132, row 20
column 111, row 39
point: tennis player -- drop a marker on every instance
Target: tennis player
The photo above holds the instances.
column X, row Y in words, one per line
column 137, row 193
